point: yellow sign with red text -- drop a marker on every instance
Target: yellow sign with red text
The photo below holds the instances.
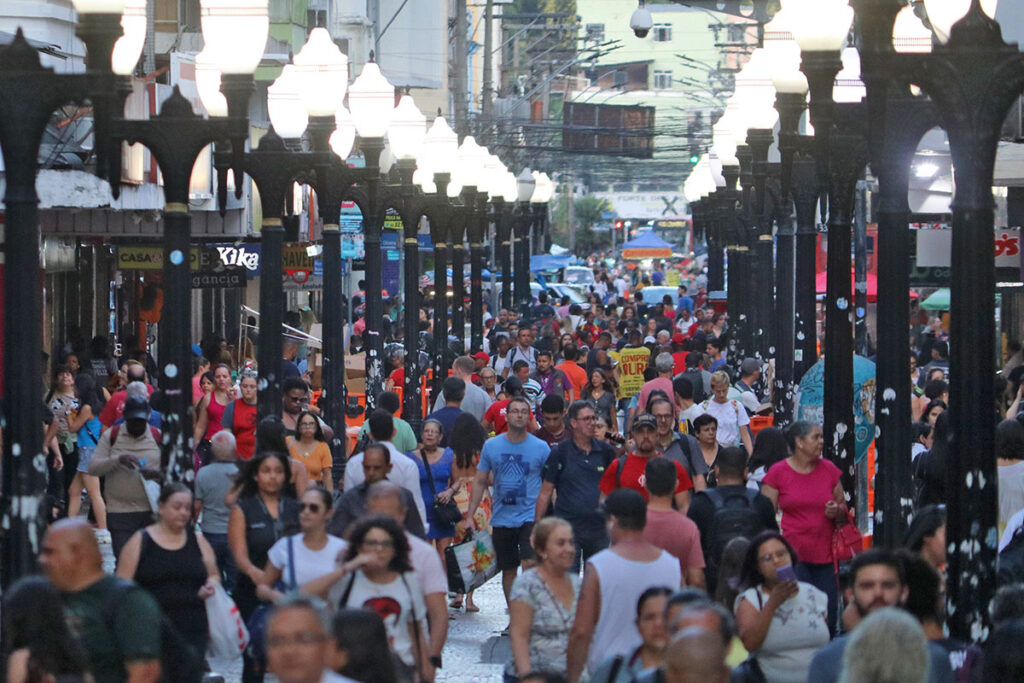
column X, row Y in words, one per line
column 632, row 363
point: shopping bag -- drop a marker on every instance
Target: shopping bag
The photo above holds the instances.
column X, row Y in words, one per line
column 228, row 635
column 472, row 563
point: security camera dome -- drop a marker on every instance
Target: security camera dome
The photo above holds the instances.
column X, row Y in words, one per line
column 641, row 22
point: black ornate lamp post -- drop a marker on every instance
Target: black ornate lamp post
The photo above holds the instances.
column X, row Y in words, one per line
column 28, row 95
column 503, row 235
column 372, row 101
column 438, row 160
column 898, row 121
column 522, row 220
column 407, row 135
column 973, row 77
column 841, row 154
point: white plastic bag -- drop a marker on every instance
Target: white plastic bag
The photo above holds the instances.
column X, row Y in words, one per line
column 228, row 635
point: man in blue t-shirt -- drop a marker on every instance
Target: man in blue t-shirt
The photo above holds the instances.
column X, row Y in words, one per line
column 516, row 459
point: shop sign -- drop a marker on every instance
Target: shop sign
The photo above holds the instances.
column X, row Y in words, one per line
column 152, row 258
column 226, row 279
column 245, row 256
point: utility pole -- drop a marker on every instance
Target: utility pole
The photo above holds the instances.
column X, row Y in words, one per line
column 488, row 84
column 572, row 215
column 459, row 72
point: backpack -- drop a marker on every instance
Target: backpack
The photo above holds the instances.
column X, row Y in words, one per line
column 1010, row 562
column 178, row 662
column 734, row 517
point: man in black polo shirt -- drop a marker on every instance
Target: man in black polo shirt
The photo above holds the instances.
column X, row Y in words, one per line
column 574, row 470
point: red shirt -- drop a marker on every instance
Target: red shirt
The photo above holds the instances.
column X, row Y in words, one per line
column 114, row 408
column 496, row 415
column 633, row 476
column 677, row 534
column 398, row 376
column 802, row 499
column 680, row 364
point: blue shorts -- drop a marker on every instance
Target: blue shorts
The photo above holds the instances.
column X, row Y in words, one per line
column 84, row 456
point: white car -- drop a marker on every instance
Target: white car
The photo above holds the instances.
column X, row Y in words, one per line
column 580, row 276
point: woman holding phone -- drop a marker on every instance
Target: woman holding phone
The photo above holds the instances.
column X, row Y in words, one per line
column 781, row 621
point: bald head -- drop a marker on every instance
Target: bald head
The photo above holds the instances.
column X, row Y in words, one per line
column 70, row 556
column 696, row 655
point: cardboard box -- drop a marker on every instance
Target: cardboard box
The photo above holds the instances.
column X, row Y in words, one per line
column 355, row 365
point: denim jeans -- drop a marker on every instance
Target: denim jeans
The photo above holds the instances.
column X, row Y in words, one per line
column 225, row 560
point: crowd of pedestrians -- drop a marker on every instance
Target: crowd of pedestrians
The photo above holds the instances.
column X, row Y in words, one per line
column 685, row 546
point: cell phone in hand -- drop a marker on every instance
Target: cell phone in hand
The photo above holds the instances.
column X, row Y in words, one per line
column 785, row 573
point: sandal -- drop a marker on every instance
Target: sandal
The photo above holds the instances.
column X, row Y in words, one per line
column 472, row 608
column 456, row 603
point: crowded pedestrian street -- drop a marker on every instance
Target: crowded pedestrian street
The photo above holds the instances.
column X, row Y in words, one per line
column 511, row 341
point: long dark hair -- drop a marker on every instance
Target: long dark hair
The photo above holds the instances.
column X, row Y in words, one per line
column 270, row 435
column 361, row 634
column 318, row 434
column 85, row 385
column 466, row 440
column 750, row 573
column 247, row 474
column 770, row 447
column 33, row 618
column 608, row 384
column 400, row 562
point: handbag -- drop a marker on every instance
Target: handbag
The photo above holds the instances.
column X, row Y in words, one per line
column 472, row 563
column 228, row 634
column 257, row 623
column 445, row 514
column 846, row 541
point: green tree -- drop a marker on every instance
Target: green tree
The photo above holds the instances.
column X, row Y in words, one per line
column 588, row 210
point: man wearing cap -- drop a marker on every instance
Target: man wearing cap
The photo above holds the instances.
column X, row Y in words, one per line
column 750, row 373
column 480, row 361
column 627, row 472
column 475, row 401
column 125, row 456
column 613, row 581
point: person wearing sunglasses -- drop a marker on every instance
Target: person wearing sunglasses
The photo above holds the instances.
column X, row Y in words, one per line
column 297, row 560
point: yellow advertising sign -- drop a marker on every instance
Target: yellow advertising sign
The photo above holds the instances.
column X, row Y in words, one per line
column 632, row 363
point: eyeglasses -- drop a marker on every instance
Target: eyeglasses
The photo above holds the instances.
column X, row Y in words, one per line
column 378, row 545
column 777, row 555
column 276, row 642
column 307, row 423
column 312, row 507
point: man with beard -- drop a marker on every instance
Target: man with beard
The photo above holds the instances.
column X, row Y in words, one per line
column 877, row 581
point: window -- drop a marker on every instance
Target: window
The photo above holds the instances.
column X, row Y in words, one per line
column 595, row 32
column 621, row 78
column 662, row 80
column 662, row 33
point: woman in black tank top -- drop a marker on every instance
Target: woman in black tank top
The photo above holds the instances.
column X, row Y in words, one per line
column 176, row 566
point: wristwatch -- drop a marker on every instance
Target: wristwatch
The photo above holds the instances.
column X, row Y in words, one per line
column 435, row 660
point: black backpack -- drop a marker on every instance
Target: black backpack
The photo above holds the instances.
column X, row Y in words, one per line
column 1010, row 563
column 734, row 517
column 178, row 663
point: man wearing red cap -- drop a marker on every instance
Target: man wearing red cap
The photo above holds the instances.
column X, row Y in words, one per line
column 678, row 353
column 480, row 360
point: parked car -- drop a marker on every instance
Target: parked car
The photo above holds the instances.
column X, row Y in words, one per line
column 578, row 275
column 655, row 295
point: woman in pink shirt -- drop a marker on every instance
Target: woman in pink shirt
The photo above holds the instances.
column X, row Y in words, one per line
column 807, row 490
